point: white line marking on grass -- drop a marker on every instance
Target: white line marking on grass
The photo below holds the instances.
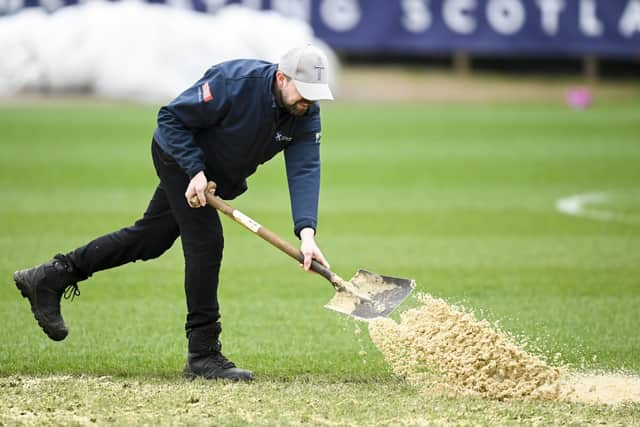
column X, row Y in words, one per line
column 593, row 206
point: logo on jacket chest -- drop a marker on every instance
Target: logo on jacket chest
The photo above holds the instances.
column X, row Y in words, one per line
column 280, row 137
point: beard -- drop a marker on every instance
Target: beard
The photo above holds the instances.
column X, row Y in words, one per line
column 293, row 108
column 297, row 109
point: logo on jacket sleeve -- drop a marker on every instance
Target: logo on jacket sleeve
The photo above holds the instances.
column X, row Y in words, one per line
column 206, row 92
column 279, row 137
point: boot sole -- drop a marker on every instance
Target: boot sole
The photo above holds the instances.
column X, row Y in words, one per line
column 25, row 290
column 190, row 375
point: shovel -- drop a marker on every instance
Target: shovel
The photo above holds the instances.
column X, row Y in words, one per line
column 366, row 296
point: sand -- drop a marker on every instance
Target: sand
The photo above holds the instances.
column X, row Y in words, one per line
column 445, row 349
column 606, row 389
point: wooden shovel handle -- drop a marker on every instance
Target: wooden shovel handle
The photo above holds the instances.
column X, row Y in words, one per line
column 264, row 232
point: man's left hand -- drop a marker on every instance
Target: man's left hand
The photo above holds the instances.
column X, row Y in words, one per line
column 310, row 249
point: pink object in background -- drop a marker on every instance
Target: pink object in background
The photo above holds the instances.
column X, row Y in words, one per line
column 579, row 98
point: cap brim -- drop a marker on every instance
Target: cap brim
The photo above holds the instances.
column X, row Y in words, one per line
column 313, row 91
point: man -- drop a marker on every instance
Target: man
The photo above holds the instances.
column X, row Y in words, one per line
column 240, row 114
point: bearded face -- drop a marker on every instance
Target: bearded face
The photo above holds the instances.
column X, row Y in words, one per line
column 288, row 97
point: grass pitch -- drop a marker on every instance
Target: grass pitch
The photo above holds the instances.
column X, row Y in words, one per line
column 461, row 198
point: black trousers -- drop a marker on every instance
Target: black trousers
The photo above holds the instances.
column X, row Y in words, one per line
column 167, row 217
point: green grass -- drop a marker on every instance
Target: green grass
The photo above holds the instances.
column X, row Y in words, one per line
column 461, row 198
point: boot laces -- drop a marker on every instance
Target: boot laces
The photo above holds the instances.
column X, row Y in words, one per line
column 222, row 361
column 62, row 265
column 219, row 358
column 71, row 291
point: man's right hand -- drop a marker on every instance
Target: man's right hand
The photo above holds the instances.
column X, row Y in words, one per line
column 197, row 187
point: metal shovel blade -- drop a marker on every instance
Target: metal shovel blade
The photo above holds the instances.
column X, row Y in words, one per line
column 376, row 296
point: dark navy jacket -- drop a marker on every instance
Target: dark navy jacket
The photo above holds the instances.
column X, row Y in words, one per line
column 228, row 123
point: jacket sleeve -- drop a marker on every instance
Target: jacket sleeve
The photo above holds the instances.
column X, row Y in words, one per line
column 302, row 159
column 201, row 106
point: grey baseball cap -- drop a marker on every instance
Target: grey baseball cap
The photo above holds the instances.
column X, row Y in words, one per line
column 308, row 67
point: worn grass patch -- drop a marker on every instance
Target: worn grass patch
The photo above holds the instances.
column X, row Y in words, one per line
column 83, row 400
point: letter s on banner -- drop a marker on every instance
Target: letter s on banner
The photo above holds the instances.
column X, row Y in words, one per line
column 416, row 16
column 505, row 16
column 340, row 15
column 455, row 14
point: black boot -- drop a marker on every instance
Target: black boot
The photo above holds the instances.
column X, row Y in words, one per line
column 206, row 360
column 44, row 286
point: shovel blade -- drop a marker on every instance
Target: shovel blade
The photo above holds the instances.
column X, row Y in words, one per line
column 377, row 295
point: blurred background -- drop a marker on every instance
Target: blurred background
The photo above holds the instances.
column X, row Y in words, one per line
column 150, row 50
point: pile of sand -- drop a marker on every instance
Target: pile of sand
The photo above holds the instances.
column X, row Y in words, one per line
column 442, row 348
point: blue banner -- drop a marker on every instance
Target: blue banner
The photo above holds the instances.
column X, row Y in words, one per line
column 605, row 28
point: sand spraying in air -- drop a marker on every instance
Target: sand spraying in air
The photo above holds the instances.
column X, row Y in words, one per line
column 444, row 349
